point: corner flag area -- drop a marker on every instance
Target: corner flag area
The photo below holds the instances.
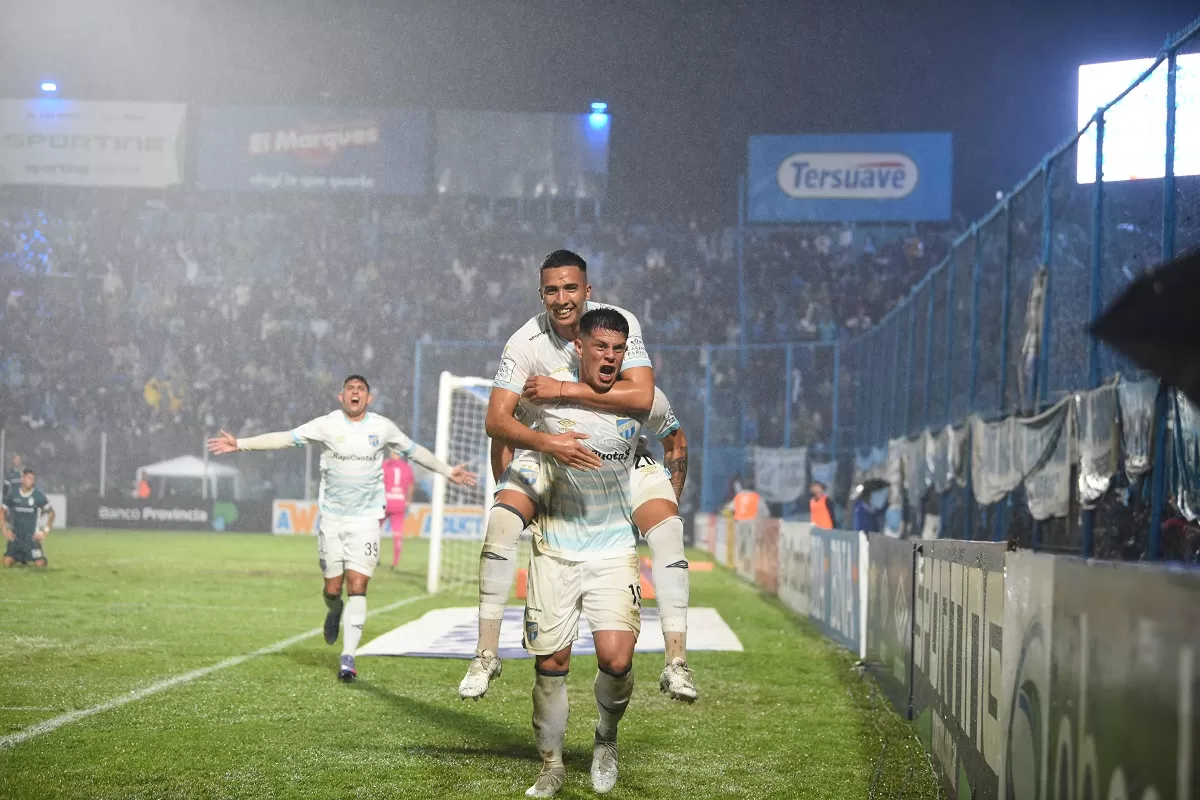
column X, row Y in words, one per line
column 192, row 666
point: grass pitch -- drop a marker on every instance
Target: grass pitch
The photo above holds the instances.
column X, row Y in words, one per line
column 119, row 612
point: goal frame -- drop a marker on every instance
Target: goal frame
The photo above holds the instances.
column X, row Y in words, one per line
column 447, row 383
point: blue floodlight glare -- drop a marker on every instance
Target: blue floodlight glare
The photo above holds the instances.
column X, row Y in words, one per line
column 598, row 120
column 599, row 108
column 49, row 87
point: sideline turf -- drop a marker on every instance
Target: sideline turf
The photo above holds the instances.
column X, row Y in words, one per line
column 119, row 611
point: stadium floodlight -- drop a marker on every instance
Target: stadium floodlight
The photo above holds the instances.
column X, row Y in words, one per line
column 599, row 108
column 49, row 87
column 598, row 119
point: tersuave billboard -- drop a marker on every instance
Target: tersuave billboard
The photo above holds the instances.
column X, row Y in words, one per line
column 880, row 177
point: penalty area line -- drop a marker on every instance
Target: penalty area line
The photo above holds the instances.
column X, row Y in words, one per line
column 54, row 723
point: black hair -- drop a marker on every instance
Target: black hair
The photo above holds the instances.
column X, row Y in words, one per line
column 564, row 258
column 357, row 378
column 28, row 471
column 603, row 319
column 824, row 488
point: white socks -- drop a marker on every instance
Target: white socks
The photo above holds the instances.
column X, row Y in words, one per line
column 671, row 583
column 353, row 619
column 612, row 698
column 497, row 569
column 550, row 712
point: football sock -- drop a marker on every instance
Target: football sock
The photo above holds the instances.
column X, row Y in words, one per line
column 352, row 622
column 497, row 568
column 669, row 567
column 550, row 712
column 612, row 697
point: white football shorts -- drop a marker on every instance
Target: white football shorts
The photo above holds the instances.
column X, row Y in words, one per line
column 607, row 591
column 344, row 544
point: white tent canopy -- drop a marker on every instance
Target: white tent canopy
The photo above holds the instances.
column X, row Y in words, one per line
column 189, row 474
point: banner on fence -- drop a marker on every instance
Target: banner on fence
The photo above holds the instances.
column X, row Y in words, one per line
column 1100, row 677
column 59, row 503
column 794, row 539
column 514, row 154
column 780, row 473
column 835, row 602
column 705, row 527
column 889, row 617
column 766, row 555
column 295, row 149
column 745, row 531
column 172, row 515
column 881, row 177
column 51, row 142
column 958, row 643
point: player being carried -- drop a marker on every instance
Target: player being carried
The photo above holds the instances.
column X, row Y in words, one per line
column 21, row 510
column 538, row 365
column 584, row 555
column 351, row 498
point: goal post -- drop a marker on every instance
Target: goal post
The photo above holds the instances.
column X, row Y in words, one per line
column 460, row 438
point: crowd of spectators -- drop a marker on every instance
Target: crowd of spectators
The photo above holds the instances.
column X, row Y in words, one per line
column 158, row 321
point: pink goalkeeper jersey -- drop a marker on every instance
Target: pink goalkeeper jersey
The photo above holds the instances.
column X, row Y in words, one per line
column 397, row 481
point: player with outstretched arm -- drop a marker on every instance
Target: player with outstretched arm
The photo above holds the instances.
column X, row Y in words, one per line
column 351, row 499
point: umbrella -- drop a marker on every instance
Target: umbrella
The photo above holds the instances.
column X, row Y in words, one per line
column 1156, row 323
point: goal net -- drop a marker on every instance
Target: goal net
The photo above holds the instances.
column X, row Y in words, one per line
column 458, row 514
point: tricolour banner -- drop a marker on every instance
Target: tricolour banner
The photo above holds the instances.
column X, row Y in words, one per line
column 958, row 644
column 889, row 617
column 880, row 177
column 293, row 149
column 52, row 142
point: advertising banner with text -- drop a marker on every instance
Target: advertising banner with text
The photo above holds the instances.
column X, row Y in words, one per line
column 869, row 177
column 889, row 617
column 51, row 142
column 291, row 149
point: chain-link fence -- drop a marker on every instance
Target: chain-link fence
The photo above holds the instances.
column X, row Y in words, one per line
column 1001, row 326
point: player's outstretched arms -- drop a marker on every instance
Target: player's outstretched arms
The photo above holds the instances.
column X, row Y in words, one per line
column 460, row 476
column 225, row 442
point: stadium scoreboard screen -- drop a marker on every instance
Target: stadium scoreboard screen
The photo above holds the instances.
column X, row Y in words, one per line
column 1135, row 137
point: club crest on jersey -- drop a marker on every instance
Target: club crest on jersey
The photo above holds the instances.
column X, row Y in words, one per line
column 626, row 427
column 373, row 440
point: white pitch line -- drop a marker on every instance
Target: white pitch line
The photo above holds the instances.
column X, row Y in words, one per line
column 54, row 723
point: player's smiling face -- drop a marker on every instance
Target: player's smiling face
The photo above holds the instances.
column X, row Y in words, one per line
column 564, row 292
column 601, row 353
column 354, row 398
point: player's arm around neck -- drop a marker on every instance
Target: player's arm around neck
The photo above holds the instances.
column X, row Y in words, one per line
column 502, row 426
column 633, row 393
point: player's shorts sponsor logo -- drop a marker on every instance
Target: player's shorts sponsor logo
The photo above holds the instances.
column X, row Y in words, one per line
column 856, row 176
column 504, row 373
column 531, row 629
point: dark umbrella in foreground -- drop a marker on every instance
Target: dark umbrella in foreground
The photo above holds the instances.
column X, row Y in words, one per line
column 1156, row 323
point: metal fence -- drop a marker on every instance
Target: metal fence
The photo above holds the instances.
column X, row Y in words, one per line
column 958, row 344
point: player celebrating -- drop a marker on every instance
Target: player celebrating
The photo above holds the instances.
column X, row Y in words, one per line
column 584, row 558
column 351, row 498
column 536, row 357
column 21, row 510
column 397, row 487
